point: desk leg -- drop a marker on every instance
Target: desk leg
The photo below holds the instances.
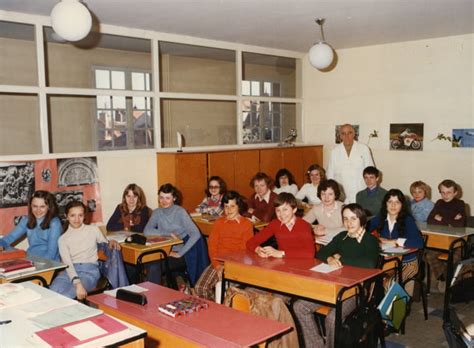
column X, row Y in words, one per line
column 223, row 288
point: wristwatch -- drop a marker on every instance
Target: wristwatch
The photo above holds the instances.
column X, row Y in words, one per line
column 73, row 280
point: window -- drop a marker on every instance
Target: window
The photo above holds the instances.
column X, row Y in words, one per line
column 123, row 122
column 261, row 121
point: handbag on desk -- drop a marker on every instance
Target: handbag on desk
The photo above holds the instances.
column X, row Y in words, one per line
column 136, row 238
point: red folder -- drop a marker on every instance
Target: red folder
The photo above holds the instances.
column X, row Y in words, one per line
column 12, row 254
column 59, row 337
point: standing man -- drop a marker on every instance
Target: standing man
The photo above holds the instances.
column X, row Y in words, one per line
column 347, row 163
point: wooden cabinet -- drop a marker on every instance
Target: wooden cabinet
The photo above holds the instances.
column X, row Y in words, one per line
column 190, row 171
column 186, row 171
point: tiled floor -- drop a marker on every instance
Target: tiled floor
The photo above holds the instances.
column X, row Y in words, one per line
column 428, row 333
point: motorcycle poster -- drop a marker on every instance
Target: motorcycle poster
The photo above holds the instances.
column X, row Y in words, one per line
column 406, row 136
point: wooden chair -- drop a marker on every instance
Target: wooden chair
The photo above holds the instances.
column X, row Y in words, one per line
column 242, row 303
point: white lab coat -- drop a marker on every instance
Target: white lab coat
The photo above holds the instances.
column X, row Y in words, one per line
column 347, row 170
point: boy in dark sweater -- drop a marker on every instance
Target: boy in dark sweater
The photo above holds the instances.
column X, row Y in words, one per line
column 448, row 211
column 371, row 197
column 354, row 247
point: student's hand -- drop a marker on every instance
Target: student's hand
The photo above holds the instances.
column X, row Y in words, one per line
column 113, row 244
column 271, row 251
column 250, row 211
column 332, row 261
column 438, row 217
column 174, row 254
column 1, row 248
column 458, row 217
column 319, row 230
column 261, row 252
column 81, row 292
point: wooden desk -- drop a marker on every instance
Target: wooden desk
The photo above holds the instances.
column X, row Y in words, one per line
column 44, row 268
column 206, row 226
column 217, row 326
column 131, row 251
column 19, row 333
column 440, row 237
column 293, row 276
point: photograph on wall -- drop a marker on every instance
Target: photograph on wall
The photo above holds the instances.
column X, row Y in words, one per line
column 406, row 136
column 463, row 137
column 67, row 179
column 338, row 133
column 17, row 183
column 77, row 171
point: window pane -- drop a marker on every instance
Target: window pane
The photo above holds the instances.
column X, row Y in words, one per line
column 103, row 102
column 118, row 102
column 139, row 103
column 20, row 128
column 18, row 54
column 118, row 80
column 188, row 118
column 245, row 87
column 104, row 119
column 196, row 69
column 280, row 72
column 265, row 125
column 70, row 65
column 138, row 81
column 255, row 88
column 72, row 123
column 102, row 79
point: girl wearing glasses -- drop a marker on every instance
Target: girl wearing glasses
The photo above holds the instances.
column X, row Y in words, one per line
column 212, row 203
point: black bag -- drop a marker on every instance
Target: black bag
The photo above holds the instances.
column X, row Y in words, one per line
column 360, row 328
column 136, row 238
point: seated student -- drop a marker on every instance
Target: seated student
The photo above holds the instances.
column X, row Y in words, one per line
column 41, row 226
column 448, row 211
column 371, row 197
column 354, row 247
column 309, row 191
column 396, row 226
column 328, row 212
column 212, row 203
column 285, row 182
column 260, row 205
column 421, row 206
column 132, row 214
column 172, row 220
column 293, row 235
column 229, row 233
column 78, row 249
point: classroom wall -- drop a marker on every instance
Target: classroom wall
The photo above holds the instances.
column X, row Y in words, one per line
column 427, row 81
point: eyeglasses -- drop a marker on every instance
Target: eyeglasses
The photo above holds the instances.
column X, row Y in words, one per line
column 214, row 187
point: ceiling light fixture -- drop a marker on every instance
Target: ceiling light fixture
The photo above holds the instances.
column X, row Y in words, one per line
column 71, row 20
column 321, row 54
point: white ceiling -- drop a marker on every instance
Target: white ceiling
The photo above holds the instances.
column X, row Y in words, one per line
column 283, row 24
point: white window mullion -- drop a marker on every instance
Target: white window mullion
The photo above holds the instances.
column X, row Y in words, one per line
column 42, row 96
column 238, row 71
column 155, row 68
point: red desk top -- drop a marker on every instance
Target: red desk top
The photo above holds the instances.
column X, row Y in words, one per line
column 216, row 326
column 346, row 276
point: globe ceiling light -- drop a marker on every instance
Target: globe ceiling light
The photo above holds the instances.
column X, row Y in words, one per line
column 321, row 54
column 71, row 20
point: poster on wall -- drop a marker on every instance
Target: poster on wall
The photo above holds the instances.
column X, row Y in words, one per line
column 463, row 137
column 67, row 179
column 406, row 136
column 338, row 133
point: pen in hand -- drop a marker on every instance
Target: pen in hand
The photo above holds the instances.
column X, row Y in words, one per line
column 2, row 322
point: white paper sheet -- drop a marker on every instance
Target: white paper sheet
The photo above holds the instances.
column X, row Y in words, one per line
column 324, row 268
column 86, row 330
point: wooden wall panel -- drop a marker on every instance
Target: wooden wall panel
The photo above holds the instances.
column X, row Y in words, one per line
column 191, row 171
column 223, row 165
column 271, row 161
column 246, row 166
column 293, row 161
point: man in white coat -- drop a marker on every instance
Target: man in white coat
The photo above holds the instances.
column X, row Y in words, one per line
column 347, row 163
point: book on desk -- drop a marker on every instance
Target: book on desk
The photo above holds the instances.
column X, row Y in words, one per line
column 15, row 266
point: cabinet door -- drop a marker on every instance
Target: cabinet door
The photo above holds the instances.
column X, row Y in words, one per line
column 191, row 173
column 246, row 166
column 271, row 161
column 312, row 154
column 293, row 161
column 223, row 165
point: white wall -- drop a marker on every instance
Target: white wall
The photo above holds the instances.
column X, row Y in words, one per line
column 427, row 81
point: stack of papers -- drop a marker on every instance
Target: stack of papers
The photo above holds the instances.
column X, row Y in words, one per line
column 133, row 288
column 16, row 294
column 119, row 236
column 324, row 268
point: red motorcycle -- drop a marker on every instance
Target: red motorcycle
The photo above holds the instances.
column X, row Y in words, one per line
column 406, row 140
